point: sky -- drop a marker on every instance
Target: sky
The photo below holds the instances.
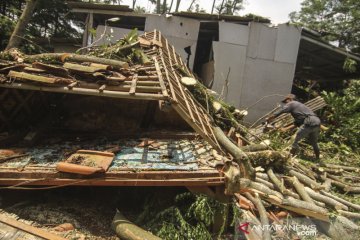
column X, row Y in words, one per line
column 277, row 10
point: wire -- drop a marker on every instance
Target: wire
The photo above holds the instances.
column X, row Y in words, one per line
column 272, row 95
column 17, row 186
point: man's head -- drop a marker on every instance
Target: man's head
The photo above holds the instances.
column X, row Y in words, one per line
column 288, row 98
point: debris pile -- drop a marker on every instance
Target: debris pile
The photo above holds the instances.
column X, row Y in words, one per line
column 265, row 181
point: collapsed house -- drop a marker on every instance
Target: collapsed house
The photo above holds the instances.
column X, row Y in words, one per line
column 249, row 62
column 102, row 119
column 117, row 103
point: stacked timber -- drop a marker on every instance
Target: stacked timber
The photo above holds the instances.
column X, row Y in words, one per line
column 284, row 120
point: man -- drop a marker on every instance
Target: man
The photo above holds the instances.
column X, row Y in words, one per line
column 305, row 119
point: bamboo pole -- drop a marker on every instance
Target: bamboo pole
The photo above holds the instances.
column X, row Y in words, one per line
column 83, row 91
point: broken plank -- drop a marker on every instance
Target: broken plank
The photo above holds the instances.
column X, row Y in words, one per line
column 33, row 70
column 71, row 85
column 80, row 68
column 37, row 78
column 28, row 228
column 12, row 67
column 58, row 71
column 100, row 66
column 102, row 87
column 75, row 58
column 144, row 42
column 133, row 84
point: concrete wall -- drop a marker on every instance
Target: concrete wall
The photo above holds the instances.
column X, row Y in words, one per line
column 229, row 66
column 262, row 63
column 180, row 32
column 250, row 61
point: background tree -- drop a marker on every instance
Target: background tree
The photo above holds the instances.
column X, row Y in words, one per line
column 51, row 18
column 171, row 4
column 158, row 6
column 213, row 6
column 177, row 5
column 139, row 9
column 198, row 9
column 191, row 6
column 335, row 20
column 229, row 7
column 161, row 7
column 19, row 30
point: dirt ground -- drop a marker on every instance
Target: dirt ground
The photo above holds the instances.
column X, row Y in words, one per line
column 89, row 209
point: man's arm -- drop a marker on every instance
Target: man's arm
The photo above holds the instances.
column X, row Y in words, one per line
column 285, row 109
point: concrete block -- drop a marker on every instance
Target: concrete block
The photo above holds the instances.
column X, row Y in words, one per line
column 233, row 33
column 287, row 44
column 262, row 41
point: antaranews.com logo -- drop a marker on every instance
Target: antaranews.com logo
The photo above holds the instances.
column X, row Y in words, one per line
column 299, row 229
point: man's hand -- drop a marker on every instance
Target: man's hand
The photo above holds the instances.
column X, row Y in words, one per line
column 270, row 118
column 285, row 129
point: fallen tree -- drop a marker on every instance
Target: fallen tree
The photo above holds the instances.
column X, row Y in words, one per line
column 129, row 231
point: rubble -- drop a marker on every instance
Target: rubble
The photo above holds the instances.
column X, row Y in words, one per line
column 266, row 181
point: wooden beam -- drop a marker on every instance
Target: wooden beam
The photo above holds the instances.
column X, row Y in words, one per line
column 167, row 76
column 112, row 182
column 161, row 80
column 30, row 77
column 332, row 48
column 28, row 228
column 86, row 91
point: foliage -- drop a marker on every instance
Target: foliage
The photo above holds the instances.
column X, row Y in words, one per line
column 6, row 27
column 198, row 9
column 195, row 7
column 126, row 49
column 51, row 19
column 190, row 217
column 349, row 65
column 229, row 7
column 344, row 116
column 139, row 9
column 335, row 20
column 256, row 17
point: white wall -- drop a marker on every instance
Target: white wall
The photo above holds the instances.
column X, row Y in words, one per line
column 262, row 60
column 180, row 32
column 229, row 65
column 239, row 34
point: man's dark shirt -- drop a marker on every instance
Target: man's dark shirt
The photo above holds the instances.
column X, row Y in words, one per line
column 300, row 112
